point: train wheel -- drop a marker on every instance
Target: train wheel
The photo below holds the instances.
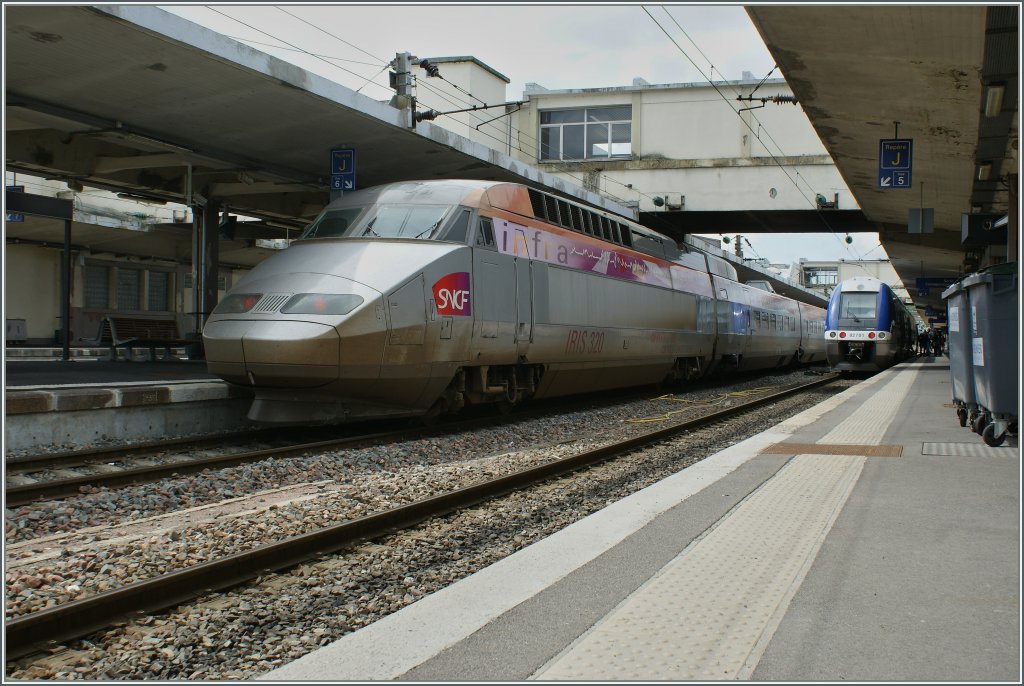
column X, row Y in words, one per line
column 990, row 438
column 961, row 414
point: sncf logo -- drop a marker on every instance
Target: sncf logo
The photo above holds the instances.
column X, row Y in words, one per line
column 451, row 294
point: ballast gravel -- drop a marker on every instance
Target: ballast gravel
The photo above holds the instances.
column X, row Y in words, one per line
column 261, row 625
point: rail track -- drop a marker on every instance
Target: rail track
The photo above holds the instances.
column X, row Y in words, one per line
column 41, row 629
column 128, row 465
column 52, row 476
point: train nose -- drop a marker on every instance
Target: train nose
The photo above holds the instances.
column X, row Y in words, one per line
column 273, row 353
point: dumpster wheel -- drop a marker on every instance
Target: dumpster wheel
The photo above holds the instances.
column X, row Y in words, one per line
column 990, row 438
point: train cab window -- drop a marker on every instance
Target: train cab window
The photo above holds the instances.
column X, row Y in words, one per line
column 485, row 233
column 857, row 306
column 333, row 222
column 405, row 221
column 459, row 229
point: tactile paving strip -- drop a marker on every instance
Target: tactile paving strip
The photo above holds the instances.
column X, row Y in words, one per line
column 709, row 613
column 968, row 450
column 868, row 423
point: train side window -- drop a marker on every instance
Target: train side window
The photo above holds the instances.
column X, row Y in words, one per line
column 537, row 201
column 589, row 222
column 606, row 228
column 564, row 217
column 613, row 231
column 485, row 233
column 459, row 229
column 577, row 219
column 551, row 207
column 626, row 235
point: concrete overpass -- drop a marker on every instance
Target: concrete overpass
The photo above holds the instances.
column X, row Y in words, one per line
column 949, row 75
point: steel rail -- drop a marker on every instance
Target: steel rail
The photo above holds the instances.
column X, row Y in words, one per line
column 52, row 489
column 78, row 618
column 59, row 488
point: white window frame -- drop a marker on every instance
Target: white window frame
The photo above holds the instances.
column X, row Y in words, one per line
column 587, row 124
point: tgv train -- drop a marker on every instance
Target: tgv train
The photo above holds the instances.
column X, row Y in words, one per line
column 868, row 328
column 418, row 298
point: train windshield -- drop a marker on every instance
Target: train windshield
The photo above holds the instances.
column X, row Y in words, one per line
column 334, row 223
column 858, row 306
column 379, row 221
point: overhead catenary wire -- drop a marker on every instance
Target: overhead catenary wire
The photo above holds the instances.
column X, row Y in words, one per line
column 747, row 124
column 518, row 132
column 291, row 45
column 736, row 90
column 300, row 50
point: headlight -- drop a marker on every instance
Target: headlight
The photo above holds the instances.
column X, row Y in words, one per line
column 237, row 303
column 321, row 303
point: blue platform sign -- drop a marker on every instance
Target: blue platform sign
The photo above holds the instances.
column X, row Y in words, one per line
column 343, row 169
column 15, row 216
column 894, row 162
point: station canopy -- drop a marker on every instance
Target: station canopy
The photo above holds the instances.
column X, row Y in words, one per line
column 139, row 101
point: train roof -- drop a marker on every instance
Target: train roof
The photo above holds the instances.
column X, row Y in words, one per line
column 440, row 192
column 861, row 283
column 455, row 191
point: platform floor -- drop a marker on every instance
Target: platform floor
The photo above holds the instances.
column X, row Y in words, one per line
column 50, row 373
column 880, row 543
column 49, row 402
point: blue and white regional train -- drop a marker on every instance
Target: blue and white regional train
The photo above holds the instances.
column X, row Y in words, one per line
column 868, row 328
column 418, row 298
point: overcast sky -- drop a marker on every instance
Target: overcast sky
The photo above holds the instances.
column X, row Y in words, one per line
column 556, row 46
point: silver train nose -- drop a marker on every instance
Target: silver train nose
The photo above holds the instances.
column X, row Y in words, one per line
column 272, row 353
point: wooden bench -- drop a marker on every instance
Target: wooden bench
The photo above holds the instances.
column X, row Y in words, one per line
column 151, row 332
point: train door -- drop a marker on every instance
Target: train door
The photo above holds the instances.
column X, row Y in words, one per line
column 495, row 310
column 524, row 305
column 749, row 322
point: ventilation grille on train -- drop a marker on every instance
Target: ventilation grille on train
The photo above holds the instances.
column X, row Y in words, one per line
column 271, row 302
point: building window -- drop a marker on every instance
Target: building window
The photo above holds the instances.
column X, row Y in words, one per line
column 128, row 289
column 97, row 286
column 586, row 134
column 821, row 276
column 159, row 292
